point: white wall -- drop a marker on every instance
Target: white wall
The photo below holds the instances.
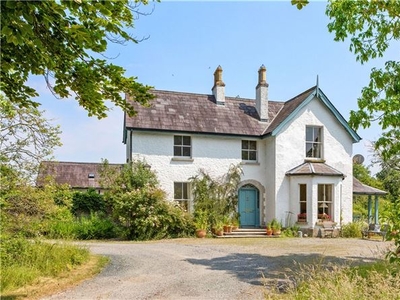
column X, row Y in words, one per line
column 215, row 154
column 290, row 152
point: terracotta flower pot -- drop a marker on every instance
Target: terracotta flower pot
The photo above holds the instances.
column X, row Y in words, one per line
column 201, row 233
column 269, row 231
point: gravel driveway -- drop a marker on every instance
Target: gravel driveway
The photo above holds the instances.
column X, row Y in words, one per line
column 210, row 268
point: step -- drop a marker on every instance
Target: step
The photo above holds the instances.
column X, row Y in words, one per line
column 247, row 233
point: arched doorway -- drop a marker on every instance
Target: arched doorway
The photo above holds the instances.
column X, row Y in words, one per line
column 249, row 206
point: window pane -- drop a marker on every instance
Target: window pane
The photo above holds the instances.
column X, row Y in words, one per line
column 177, row 190
column 309, row 148
column 177, row 140
column 252, row 145
column 309, row 134
column 303, row 207
column 303, row 192
column 186, row 140
column 177, row 151
column 186, row 151
column 317, row 150
column 252, row 155
column 245, row 144
column 185, row 190
column 317, row 134
column 245, row 155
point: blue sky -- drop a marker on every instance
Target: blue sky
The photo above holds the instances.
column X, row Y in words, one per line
column 188, row 40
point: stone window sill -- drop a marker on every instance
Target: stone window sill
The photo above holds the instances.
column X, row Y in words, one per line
column 182, row 158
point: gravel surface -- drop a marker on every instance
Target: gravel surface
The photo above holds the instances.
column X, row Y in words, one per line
column 210, row 268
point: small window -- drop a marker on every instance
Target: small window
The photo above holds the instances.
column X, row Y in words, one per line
column 325, row 195
column 313, row 141
column 249, row 150
column 181, row 194
column 302, row 216
column 91, row 175
column 182, row 146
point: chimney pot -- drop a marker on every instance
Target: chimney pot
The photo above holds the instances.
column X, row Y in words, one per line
column 219, row 87
column 262, row 94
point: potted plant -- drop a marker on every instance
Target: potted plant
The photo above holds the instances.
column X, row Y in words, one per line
column 201, row 223
column 227, row 224
column 235, row 222
column 219, row 228
column 269, row 229
column 276, row 227
column 302, row 217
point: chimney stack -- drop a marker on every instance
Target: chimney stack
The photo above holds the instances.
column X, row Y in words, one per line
column 262, row 94
column 218, row 89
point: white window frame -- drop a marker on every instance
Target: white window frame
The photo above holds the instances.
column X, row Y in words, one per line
column 182, row 147
column 314, row 143
column 249, row 151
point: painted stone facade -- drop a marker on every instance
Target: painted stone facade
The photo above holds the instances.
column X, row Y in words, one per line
column 274, row 152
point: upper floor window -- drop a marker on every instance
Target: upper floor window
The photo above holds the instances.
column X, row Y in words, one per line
column 182, row 145
column 249, row 150
column 181, row 194
column 314, row 141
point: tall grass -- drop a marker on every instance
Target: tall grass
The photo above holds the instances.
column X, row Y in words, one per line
column 374, row 281
column 94, row 226
column 23, row 261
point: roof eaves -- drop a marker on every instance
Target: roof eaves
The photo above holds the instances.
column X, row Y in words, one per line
column 354, row 135
column 293, row 114
column 195, row 132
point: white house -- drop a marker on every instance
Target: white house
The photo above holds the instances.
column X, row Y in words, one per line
column 296, row 155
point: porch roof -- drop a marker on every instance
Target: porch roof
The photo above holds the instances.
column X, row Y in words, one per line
column 314, row 168
column 360, row 188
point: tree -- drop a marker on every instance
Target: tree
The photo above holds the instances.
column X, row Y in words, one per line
column 371, row 27
column 58, row 40
column 26, row 138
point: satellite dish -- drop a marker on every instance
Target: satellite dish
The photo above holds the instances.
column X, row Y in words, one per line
column 358, row 159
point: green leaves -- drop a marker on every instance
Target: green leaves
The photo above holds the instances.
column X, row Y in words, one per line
column 299, row 3
column 54, row 38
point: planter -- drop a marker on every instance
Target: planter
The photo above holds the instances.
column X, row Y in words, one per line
column 269, row 231
column 276, row 232
column 201, row 233
column 219, row 232
column 227, row 228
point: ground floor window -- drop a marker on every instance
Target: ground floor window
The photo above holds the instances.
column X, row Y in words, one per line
column 325, row 195
column 181, row 194
column 302, row 216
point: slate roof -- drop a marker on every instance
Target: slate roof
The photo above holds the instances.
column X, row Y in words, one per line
column 360, row 188
column 314, row 168
column 198, row 113
column 76, row 174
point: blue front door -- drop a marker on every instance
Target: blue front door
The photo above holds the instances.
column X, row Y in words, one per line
column 248, row 207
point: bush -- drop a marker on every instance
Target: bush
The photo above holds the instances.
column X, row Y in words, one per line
column 94, row 226
column 29, row 210
column 139, row 206
column 85, row 203
column 353, row 229
column 23, row 261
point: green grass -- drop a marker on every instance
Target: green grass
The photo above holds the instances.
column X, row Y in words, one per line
column 23, row 261
column 380, row 280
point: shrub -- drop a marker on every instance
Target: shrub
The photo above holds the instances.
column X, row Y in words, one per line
column 353, row 229
column 94, row 226
column 139, row 206
column 85, row 203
